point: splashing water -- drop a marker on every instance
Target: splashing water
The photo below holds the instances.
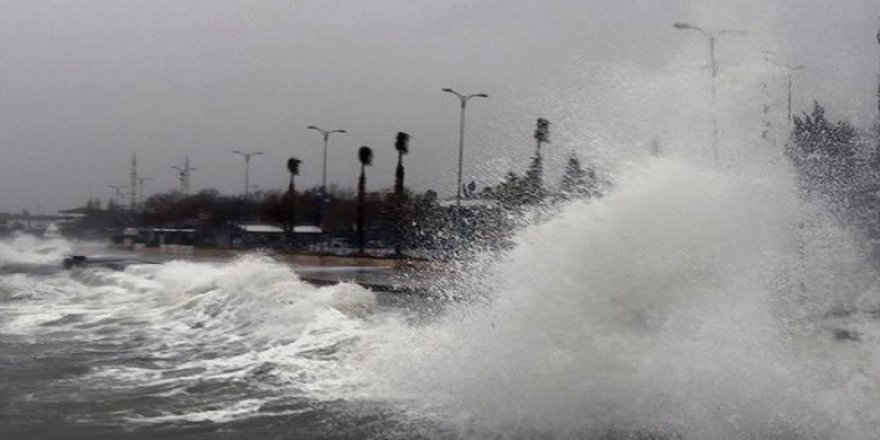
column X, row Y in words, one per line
column 208, row 342
column 678, row 306
column 32, row 250
column 685, row 304
column 665, row 309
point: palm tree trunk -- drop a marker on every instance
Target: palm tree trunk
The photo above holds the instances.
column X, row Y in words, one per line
column 291, row 210
column 398, row 207
column 361, row 201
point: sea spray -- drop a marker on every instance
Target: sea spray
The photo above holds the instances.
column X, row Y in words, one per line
column 24, row 248
column 658, row 309
column 216, row 333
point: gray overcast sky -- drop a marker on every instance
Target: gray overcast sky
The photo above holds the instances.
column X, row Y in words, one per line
column 86, row 83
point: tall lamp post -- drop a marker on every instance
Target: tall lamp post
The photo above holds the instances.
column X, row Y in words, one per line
column 791, row 69
column 141, row 181
column 118, row 189
column 463, row 99
column 183, row 173
column 325, row 134
column 712, row 38
column 247, row 168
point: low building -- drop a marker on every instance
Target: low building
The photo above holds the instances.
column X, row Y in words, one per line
column 34, row 223
column 266, row 235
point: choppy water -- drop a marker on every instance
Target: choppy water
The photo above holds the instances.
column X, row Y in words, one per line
column 686, row 304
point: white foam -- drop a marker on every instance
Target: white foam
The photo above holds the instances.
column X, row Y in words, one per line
column 656, row 309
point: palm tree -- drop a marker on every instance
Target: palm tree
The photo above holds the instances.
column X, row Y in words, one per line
column 402, row 146
column 535, row 173
column 290, row 202
column 542, row 133
column 365, row 154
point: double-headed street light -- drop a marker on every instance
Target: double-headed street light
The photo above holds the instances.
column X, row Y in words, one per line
column 464, row 99
column 326, row 135
column 712, row 37
column 118, row 189
column 323, row 196
column 247, row 166
column 141, row 181
column 790, row 70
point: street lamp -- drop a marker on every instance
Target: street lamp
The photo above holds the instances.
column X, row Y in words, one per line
column 712, row 37
column 118, row 189
column 789, row 69
column 247, row 166
column 323, row 196
column 326, row 135
column 464, row 99
column 183, row 174
column 141, row 181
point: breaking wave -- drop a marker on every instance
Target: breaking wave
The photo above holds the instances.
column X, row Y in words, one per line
column 688, row 303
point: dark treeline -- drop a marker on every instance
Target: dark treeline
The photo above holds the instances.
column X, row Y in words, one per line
column 838, row 166
column 395, row 217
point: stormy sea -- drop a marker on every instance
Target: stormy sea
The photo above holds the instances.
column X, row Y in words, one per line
column 689, row 303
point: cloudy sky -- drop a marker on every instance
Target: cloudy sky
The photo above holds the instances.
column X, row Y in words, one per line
column 86, row 83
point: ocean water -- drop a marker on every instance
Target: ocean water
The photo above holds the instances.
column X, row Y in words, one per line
column 686, row 304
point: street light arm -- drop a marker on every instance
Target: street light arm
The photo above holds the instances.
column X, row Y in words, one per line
column 478, row 95
column 690, row 27
column 248, row 155
column 737, row 32
column 325, row 132
column 458, row 95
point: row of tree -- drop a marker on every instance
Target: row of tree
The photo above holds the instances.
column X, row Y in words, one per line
column 396, row 217
column 838, row 166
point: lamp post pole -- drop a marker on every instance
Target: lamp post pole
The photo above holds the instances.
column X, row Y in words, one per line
column 118, row 190
column 183, row 174
column 325, row 134
column 791, row 70
column 712, row 38
column 247, row 167
column 463, row 99
column 141, row 181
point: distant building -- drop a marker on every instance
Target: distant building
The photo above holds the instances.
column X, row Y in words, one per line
column 36, row 223
column 269, row 235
